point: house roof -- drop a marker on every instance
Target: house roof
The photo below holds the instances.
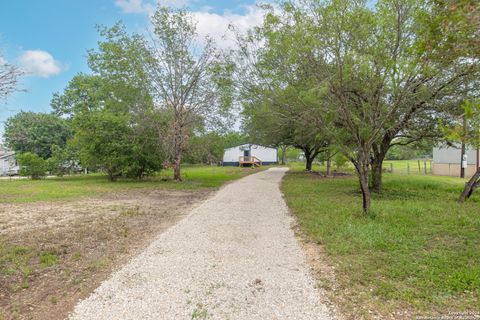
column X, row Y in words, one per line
column 251, row 145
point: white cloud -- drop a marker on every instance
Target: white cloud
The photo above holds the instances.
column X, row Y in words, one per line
column 131, row 6
column 209, row 24
column 39, row 63
column 216, row 25
column 148, row 7
column 2, row 61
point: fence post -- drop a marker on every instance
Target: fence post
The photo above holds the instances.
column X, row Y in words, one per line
column 391, row 167
column 419, row 167
column 408, row 167
column 425, row 167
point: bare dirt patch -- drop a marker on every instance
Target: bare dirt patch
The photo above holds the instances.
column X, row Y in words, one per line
column 53, row 254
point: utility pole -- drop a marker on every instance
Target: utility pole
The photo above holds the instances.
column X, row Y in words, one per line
column 478, row 159
column 463, row 159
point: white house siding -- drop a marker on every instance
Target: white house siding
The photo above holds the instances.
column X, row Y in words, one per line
column 447, row 161
column 267, row 155
column 8, row 164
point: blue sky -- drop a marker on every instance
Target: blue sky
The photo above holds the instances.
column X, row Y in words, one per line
column 49, row 38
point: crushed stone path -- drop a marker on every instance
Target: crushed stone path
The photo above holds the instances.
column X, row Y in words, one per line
column 234, row 257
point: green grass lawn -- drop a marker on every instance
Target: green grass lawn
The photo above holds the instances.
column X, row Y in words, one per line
column 419, row 251
column 71, row 187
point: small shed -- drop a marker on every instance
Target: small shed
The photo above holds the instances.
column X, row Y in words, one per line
column 447, row 161
column 250, row 154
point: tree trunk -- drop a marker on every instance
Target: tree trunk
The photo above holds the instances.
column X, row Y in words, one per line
column 361, row 165
column 178, row 144
column 176, row 166
column 112, row 177
column 366, row 197
column 329, row 166
column 470, row 187
column 284, row 151
column 376, row 163
column 377, row 175
column 308, row 161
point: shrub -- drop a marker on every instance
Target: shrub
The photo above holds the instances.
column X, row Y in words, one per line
column 32, row 165
column 340, row 160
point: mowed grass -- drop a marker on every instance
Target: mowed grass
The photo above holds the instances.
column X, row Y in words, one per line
column 419, row 250
column 71, row 187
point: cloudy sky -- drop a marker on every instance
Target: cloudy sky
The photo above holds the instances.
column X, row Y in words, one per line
column 48, row 39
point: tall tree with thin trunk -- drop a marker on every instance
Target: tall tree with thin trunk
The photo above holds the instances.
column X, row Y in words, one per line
column 183, row 70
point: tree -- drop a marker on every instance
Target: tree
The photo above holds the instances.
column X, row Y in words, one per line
column 32, row 165
column 275, row 81
column 450, row 29
column 184, row 74
column 9, row 75
column 406, row 89
column 36, row 133
column 103, row 140
column 467, row 131
column 63, row 160
column 117, row 128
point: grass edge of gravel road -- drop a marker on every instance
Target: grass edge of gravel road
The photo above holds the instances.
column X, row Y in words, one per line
column 415, row 255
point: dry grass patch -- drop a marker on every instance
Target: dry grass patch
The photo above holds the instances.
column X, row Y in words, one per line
column 53, row 254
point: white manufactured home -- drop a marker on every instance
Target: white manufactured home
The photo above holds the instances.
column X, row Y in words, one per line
column 250, row 154
column 448, row 161
column 8, row 164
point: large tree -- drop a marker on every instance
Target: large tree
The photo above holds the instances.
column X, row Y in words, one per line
column 184, row 75
column 36, row 133
column 275, row 82
column 405, row 90
column 116, row 125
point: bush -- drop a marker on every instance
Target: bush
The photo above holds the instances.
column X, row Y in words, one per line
column 340, row 160
column 63, row 161
column 32, row 165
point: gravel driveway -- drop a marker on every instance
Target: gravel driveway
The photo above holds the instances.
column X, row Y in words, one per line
column 234, row 257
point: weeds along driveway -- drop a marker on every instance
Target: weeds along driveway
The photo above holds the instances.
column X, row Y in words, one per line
column 234, row 257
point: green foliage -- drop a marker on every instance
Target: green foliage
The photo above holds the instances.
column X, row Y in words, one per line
column 399, row 151
column 449, row 29
column 208, row 147
column 467, row 128
column 117, row 128
column 36, row 133
column 32, row 165
column 340, row 160
column 48, row 258
column 63, row 161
